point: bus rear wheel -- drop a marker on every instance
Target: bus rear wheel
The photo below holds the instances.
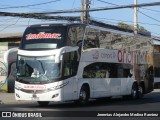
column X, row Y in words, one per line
column 140, row 92
column 43, row 103
column 134, row 91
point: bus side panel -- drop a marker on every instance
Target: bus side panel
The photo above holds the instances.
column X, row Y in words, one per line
column 115, row 86
column 68, row 88
column 101, row 87
column 75, row 88
column 126, row 85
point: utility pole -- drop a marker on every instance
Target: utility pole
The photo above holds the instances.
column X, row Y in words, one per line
column 85, row 5
column 87, row 17
column 135, row 17
column 82, row 13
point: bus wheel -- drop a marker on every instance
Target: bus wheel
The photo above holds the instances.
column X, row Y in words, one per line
column 43, row 103
column 134, row 91
column 140, row 92
column 83, row 96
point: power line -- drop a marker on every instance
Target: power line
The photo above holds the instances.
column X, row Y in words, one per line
column 116, row 24
column 127, row 21
column 118, row 5
column 151, row 10
column 139, row 11
column 75, row 10
column 43, row 14
column 30, row 5
column 6, row 19
column 103, row 8
column 107, row 2
column 73, row 3
column 148, row 16
column 156, row 33
column 38, row 16
column 10, row 25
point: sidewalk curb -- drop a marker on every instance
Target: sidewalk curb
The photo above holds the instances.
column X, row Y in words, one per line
column 17, row 102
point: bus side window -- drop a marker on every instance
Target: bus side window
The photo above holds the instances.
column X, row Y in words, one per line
column 113, row 70
column 126, row 73
column 97, row 70
column 127, row 70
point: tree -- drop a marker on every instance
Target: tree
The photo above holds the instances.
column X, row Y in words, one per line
column 131, row 27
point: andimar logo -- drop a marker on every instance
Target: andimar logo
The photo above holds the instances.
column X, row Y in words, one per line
column 43, row 35
column 95, row 55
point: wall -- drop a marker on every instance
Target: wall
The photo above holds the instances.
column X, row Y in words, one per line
column 3, row 68
column 5, row 45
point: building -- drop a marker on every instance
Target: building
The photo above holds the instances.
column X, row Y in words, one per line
column 156, row 43
column 7, row 41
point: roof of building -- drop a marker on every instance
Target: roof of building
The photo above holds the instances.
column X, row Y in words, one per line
column 11, row 35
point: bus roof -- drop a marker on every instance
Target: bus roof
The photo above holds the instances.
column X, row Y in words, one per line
column 97, row 25
column 58, row 24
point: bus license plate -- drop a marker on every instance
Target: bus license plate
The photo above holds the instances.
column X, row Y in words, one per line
column 35, row 98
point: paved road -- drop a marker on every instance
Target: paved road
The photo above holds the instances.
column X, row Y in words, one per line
column 150, row 102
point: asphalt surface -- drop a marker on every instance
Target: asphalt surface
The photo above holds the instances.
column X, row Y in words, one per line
column 150, row 102
column 9, row 98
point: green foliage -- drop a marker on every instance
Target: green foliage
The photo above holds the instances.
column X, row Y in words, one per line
column 124, row 25
column 131, row 27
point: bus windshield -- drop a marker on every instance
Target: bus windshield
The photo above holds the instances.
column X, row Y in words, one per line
column 37, row 70
column 44, row 38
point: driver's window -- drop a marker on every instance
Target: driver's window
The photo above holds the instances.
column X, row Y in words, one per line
column 70, row 64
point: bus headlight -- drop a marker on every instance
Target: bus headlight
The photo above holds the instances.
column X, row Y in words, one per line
column 55, row 95
column 17, row 95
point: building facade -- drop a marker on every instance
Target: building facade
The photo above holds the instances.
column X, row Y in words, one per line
column 7, row 41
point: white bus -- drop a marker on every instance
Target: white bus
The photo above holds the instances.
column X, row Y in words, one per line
column 78, row 62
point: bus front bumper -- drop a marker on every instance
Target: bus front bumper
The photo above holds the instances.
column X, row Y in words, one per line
column 34, row 95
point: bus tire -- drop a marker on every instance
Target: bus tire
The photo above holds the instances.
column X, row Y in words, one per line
column 140, row 92
column 43, row 103
column 83, row 96
column 134, row 91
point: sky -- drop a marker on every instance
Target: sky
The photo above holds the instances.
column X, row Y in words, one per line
column 148, row 17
